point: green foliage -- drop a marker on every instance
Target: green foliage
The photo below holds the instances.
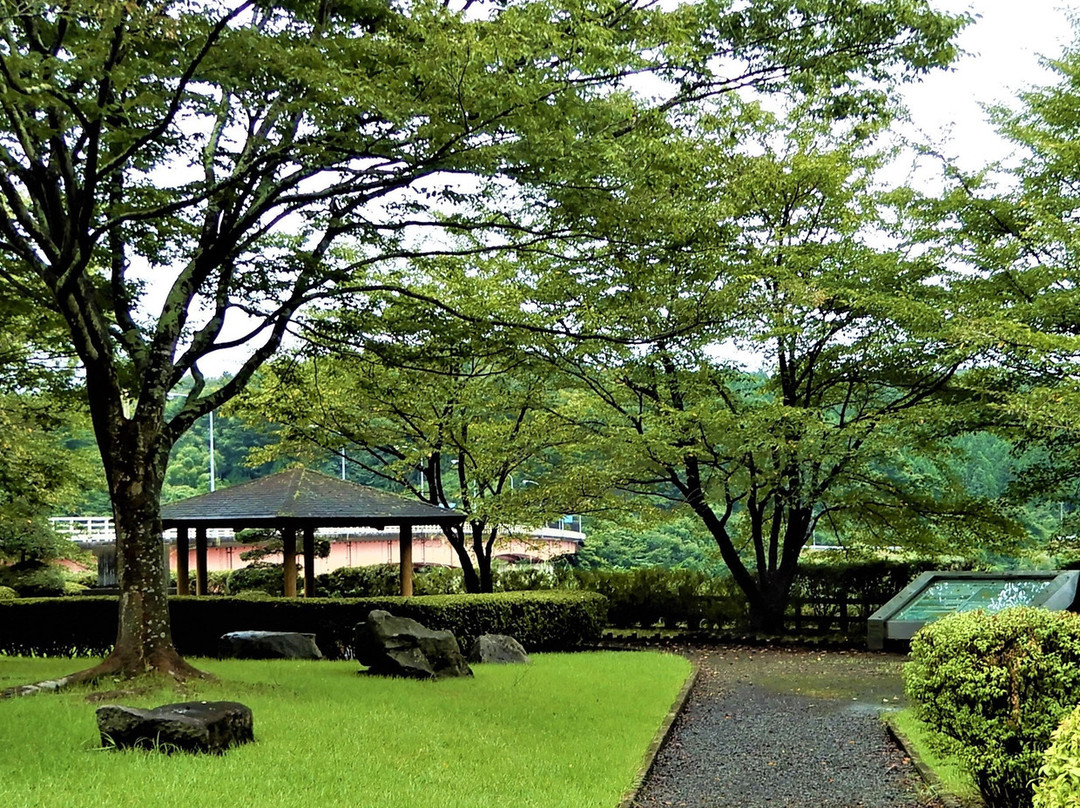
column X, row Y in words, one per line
column 1059, row 782
column 872, row 581
column 541, row 621
column 997, row 686
column 628, row 543
column 34, row 579
column 930, row 748
column 643, row 597
column 306, row 151
column 7, row 593
column 789, row 250
column 477, row 429
column 266, row 578
column 41, row 472
column 384, row 580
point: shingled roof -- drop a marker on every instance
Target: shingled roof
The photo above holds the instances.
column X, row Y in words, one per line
column 301, row 497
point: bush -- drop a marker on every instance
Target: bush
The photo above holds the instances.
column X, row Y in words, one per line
column 646, row 596
column 86, row 580
column 33, row 579
column 268, row 578
column 1060, row 783
column 530, row 577
column 7, row 593
column 384, row 580
column 997, row 685
column 540, row 621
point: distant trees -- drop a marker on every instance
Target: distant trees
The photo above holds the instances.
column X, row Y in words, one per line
column 1015, row 232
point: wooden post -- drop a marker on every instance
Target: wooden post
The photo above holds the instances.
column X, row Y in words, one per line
column 200, row 561
column 183, row 584
column 405, row 554
column 288, row 551
column 309, row 561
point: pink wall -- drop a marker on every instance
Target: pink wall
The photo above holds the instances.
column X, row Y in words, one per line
column 364, row 552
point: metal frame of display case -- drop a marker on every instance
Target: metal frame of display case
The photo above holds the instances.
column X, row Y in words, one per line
column 882, row 627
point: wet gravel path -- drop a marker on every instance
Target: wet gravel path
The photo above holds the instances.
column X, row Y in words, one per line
column 786, row 729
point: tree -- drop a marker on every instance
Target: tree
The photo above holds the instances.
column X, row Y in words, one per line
column 1014, row 230
column 425, row 402
column 180, row 179
column 784, row 249
column 39, row 473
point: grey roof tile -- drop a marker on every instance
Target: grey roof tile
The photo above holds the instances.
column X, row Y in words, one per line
column 302, row 495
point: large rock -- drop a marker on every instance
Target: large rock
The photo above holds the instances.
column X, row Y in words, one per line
column 268, row 645
column 497, row 648
column 399, row 646
column 193, row 726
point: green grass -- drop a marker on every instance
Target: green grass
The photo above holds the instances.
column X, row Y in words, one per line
column 568, row 730
column 950, row 772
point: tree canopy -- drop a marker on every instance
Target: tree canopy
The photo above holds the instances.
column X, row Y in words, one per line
column 180, row 179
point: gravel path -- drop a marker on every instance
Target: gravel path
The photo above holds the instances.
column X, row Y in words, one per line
column 778, row 728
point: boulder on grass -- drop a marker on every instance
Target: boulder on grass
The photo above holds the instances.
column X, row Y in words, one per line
column 268, row 645
column 192, row 726
column 497, row 648
column 399, row 646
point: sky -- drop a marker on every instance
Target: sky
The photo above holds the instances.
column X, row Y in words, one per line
column 1004, row 46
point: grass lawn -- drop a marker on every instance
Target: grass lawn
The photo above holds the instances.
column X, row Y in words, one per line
column 568, row 730
column 950, row 772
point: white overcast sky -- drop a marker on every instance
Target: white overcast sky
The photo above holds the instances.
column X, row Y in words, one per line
column 1004, row 46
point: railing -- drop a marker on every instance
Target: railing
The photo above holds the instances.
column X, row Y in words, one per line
column 570, row 522
column 85, row 529
column 98, row 530
column 804, row 616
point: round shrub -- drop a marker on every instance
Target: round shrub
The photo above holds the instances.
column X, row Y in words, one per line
column 33, row 579
column 268, row 578
column 1060, row 783
column 7, row 593
column 384, row 580
column 997, row 685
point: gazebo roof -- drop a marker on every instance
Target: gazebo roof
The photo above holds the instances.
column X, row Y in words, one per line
column 299, row 497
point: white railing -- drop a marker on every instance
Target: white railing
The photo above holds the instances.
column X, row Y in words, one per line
column 85, row 529
column 96, row 530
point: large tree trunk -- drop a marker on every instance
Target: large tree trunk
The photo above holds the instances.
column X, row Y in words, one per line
column 135, row 466
column 768, row 605
column 769, row 600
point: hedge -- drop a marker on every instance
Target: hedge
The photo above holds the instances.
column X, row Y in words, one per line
column 997, row 685
column 827, row 592
column 540, row 621
column 825, row 596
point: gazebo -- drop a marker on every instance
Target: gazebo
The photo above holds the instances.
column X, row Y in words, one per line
column 294, row 502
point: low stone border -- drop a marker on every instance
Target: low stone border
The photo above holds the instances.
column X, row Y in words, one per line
column 933, row 782
column 661, row 737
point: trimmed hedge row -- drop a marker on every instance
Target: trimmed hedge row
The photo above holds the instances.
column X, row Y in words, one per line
column 825, row 596
column 833, row 594
column 540, row 621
